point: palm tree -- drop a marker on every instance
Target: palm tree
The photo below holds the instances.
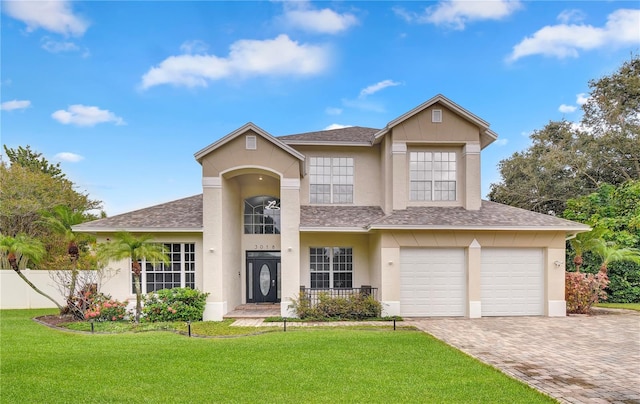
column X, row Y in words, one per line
column 18, row 251
column 584, row 242
column 60, row 222
column 136, row 248
column 610, row 252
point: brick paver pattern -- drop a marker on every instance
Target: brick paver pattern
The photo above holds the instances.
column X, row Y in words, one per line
column 575, row 359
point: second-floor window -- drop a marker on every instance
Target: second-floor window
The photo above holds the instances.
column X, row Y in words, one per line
column 331, row 180
column 432, row 176
column 262, row 215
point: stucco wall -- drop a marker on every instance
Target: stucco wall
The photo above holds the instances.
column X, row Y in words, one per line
column 366, row 177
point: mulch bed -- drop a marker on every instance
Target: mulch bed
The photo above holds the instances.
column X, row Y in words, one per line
column 55, row 320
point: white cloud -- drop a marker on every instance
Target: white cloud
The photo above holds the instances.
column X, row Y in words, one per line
column 582, row 98
column 278, row 56
column 501, row 142
column 195, row 46
column 374, row 88
column 83, row 115
column 333, row 111
column 69, row 157
column 565, row 40
column 55, row 16
column 337, row 126
column 15, row 104
column 53, row 46
column 456, row 14
column 300, row 15
column 567, row 109
column 573, row 15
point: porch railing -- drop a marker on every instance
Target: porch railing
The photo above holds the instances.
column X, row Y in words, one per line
column 312, row 295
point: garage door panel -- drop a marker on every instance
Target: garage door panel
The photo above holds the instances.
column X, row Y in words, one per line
column 512, row 281
column 432, row 282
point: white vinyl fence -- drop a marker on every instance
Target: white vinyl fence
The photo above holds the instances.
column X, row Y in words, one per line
column 16, row 294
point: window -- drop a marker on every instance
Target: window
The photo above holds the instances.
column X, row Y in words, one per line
column 262, row 215
column 179, row 273
column 331, row 179
column 432, row 176
column 331, row 267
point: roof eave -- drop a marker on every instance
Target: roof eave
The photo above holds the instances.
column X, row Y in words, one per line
column 138, row 229
column 478, row 227
column 323, row 229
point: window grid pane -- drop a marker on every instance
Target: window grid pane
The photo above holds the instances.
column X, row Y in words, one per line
column 180, row 272
column 262, row 215
column 432, row 176
column 331, row 267
column 331, row 180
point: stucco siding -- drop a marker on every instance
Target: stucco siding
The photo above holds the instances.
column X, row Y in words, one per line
column 235, row 154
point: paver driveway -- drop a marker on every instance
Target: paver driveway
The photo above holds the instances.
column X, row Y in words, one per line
column 575, row 359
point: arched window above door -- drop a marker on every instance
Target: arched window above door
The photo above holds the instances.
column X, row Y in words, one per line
column 262, row 215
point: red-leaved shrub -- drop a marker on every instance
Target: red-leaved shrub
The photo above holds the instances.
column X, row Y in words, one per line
column 583, row 290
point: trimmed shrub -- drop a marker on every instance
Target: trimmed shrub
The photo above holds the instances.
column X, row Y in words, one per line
column 583, row 290
column 357, row 306
column 177, row 304
column 625, row 282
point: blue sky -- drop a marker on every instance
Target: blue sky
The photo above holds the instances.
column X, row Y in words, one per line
column 124, row 93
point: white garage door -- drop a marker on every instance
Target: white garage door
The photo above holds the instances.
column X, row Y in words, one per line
column 432, row 282
column 512, row 282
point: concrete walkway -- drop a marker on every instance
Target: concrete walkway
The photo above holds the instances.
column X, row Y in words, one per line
column 575, row 359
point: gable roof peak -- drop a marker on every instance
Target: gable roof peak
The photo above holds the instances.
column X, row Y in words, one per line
column 490, row 136
column 249, row 126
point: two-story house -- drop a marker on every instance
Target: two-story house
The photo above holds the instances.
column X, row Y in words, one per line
column 398, row 209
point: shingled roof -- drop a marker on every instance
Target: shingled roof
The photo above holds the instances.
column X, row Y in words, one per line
column 182, row 215
column 491, row 216
column 345, row 217
column 185, row 215
column 348, row 135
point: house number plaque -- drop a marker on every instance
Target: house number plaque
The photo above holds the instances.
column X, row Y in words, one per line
column 264, row 247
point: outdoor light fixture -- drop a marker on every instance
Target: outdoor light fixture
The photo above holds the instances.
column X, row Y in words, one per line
column 558, row 263
column 260, row 178
column 211, row 249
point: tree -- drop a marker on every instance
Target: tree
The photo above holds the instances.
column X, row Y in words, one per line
column 31, row 187
column 584, row 242
column 541, row 177
column 612, row 115
column 27, row 158
column 609, row 253
column 136, row 248
column 60, row 222
column 567, row 160
column 17, row 252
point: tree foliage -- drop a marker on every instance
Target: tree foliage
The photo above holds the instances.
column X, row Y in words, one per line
column 614, row 213
column 32, row 189
column 568, row 160
column 29, row 159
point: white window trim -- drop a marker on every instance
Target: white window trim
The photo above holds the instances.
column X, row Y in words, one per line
column 331, row 183
column 183, row 281
column 433, row 190
column 331, row 271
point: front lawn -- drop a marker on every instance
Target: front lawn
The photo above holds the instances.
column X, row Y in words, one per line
column 39, row 364
column 628, row 306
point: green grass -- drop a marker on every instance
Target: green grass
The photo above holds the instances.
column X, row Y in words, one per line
column 628, row 306
column 43, row 365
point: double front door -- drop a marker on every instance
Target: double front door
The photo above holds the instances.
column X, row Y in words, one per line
column 263, row 276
